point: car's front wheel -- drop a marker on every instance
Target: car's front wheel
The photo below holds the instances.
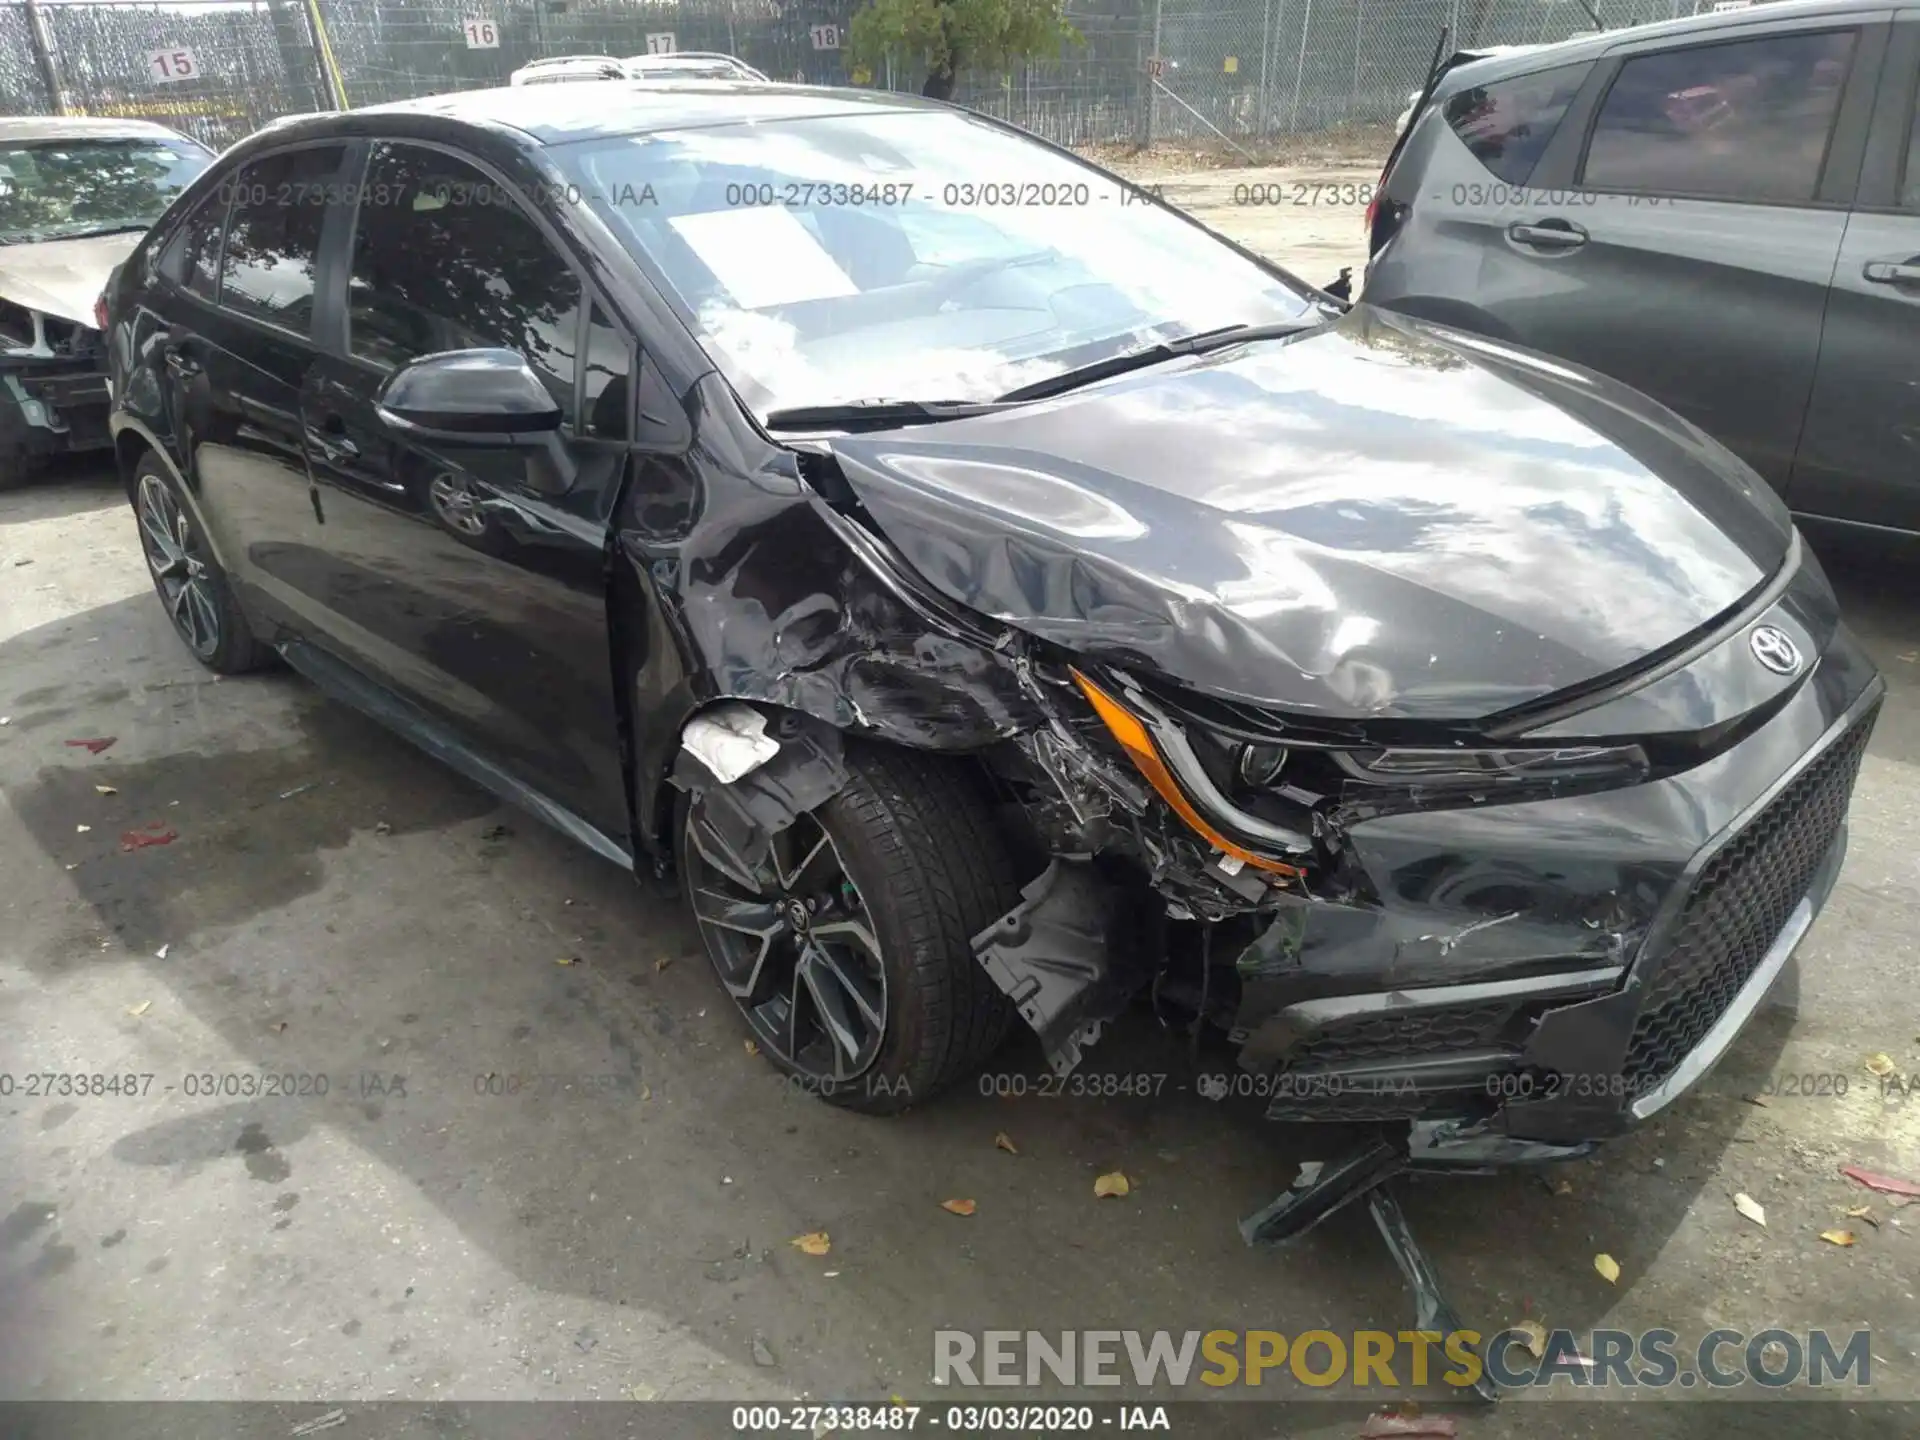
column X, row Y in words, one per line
column 848, row 946
column 188, row 578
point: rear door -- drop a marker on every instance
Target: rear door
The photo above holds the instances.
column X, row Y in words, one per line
column 1679, row 230
column 1859, row 458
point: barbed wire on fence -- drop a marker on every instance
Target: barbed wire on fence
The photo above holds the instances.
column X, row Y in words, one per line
column 1144, row 70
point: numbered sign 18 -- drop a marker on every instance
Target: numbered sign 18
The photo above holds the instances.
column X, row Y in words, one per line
column 172, row 65
column 660, row 42
column 825, row 37
column 481, row 34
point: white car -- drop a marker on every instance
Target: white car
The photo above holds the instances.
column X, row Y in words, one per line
column 76, row 195
column 692, row 65
column 558, row 68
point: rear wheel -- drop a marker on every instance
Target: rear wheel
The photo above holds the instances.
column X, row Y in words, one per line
column 848, row 948
column 189, row 581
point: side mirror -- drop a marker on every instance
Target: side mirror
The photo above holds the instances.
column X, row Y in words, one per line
column 481, row 399
column 487, row 398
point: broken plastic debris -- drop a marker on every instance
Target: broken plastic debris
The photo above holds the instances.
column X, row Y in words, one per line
column 155, row 832
column 1885, row 1184
column 662, row 963
column 1608, row 1267
column 1837, row 1237
column 730, row 740
column 141, row 1008
column 1003, row 1142
column 298, row 790
column 1751, row 1208
column 106, row 790
column 381, row 827
column 762, row 1355
column 323, row 1422
column 958, row 1207
column 161, row 953
column 81, row 829
column 93, row 746
column 814, row 1242
column 1309, row 1173
column 1880, row 1065
column 1113, row 1184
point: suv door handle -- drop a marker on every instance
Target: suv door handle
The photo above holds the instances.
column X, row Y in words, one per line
column 180, row 363
column 1548, row 235
column 1883, row 272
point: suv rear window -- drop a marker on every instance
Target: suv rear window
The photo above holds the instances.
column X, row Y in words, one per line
column 1746, row 120
column 1508, row 124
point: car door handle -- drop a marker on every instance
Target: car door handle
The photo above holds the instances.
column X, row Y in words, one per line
column 180, row 363
column 1548, row 235
column 332, row 447
column 1883, row 272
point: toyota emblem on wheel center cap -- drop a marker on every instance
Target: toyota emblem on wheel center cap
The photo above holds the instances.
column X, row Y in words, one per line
column 1774, row 648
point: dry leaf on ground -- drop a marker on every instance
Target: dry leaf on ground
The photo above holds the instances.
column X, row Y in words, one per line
column 1111, row 1185
column 1837, row 1237
column 814, row 1242
column 958, row 1207
column 1881, row 1064
column 1751, row 1208
column 1001, row 1142
column 1608, row 1267
column 1534, row 1335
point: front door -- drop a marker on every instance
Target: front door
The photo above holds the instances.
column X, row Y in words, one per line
column 452, row 575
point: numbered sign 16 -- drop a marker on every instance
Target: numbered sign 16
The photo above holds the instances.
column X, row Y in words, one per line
column 825, row 37
column 172, row 65
column 482, row 34
column 660, row 42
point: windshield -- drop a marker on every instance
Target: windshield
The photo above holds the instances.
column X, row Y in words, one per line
column 922, row 255
column 58, row 189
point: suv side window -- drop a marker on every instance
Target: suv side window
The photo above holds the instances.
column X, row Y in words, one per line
column 1744, row 120
column 443, row 259
column 1508, row 124
column 192, row 257
column 273, row 238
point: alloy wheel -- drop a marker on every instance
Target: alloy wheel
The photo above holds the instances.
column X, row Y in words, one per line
column 180, row 566
column 456, row 505
column 794, row 945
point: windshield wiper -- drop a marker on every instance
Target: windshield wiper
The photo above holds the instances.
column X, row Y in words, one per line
column 877, row 414
column 123, row 227
column 1154, row 354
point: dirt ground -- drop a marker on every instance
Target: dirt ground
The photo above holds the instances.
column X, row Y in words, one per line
column 1302, row 205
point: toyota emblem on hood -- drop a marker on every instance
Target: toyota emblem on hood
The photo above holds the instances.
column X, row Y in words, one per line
column 1774, row 648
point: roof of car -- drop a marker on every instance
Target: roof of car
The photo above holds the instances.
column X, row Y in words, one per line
column 1592, row 47
column 16, row 129
column 555, row 114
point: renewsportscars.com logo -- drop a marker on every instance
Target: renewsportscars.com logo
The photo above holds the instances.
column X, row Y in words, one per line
column 1386, row 1359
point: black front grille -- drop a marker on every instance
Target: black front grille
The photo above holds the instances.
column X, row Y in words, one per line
column 1398, row 1034
column 1737, row 909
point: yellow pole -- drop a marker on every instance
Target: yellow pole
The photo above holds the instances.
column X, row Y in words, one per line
column 327, row 62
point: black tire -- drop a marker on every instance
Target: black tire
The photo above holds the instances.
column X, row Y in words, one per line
column 917, row 838
column 231, row 649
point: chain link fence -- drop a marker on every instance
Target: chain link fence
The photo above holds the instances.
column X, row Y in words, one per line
column 1142, row 70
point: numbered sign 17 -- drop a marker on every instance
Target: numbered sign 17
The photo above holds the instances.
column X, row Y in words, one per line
column 825, row 37
column 172, row 65
column 660, row 42
column 481, row 34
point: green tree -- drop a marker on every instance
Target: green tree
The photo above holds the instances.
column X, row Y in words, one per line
column 956, row 35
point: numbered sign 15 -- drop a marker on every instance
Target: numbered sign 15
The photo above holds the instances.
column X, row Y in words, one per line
column 660, row 42
column 825, row 37
column 481, row 34
column 172, row 65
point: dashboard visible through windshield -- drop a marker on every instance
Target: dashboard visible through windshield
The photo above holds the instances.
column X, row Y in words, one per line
column 910, row 254
column 63, row 189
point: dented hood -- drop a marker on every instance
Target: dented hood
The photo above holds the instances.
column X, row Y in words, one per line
column 62, row 277
column 1378, row 518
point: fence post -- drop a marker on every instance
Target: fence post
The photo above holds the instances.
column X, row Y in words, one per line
column 1359, row 24
column 1153, row 80
column 43, row 57
column 1266, row 34
column 329, row 67
column 1300, row 71
column 297, row 59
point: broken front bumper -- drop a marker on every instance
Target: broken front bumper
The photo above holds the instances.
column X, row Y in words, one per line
column 53, row 408
column 1556, row 971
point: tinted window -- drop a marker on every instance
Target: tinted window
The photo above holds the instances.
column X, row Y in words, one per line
column 193, row 255
column 273, row 237
column 443, row 260
column 1743, row 121
column 608, row 383
column 1507, row 124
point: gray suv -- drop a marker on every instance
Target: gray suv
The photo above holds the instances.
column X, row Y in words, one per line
column 1723, row 212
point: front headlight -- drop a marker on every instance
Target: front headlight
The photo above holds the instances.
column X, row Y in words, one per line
column 1257, row 787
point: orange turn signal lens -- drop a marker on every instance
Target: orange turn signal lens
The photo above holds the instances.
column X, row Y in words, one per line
column 1134, row 739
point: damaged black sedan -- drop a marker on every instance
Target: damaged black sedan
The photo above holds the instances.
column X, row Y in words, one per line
column 997, row 596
